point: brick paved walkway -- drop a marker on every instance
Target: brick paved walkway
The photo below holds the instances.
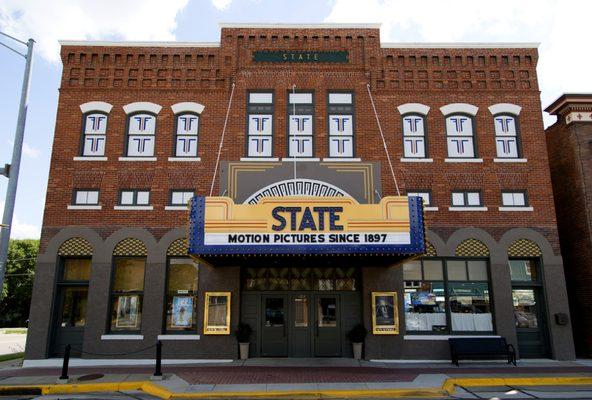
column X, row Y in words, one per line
column 260, row 375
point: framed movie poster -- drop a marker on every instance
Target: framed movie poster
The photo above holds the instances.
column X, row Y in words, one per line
column 385, row 313
column 182, row 315
column 127, row 312
column 217, row 313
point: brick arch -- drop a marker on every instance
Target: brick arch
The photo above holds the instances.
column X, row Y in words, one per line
column 75, row 246
column 472, row 248
column 524, row 248
column 179, row 247
column 130, row 247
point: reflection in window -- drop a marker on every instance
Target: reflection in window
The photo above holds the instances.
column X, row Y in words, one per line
column 462, row 284
column 523, row 270
column 274, row 311
column 525, row 311
column 127, row 294
column 76, row 269
column 327, row 312
column 74, row 307
column 181, row 295
column 301, row 311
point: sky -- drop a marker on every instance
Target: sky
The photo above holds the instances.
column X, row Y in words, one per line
column 561, row 28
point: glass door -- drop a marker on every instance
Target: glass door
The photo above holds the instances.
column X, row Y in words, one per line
column 71, row 302
column 327, row 335
column 529, row 310
column 274, row 335
column 301, row 325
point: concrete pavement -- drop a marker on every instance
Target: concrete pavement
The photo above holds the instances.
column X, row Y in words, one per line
column 12, row 343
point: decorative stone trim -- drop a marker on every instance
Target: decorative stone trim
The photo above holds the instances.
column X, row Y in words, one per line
column 510, row 160
column 467, row 208
column 503, row 108
column 83, row 207
column 268, row 159
column 179, row 247
column 472, row 248
column 137, row 158
column 524, row 248
column 515, row 209
column 413, row 108
column 96, row 106
column 420, row 160
column 83, row 158
column 463, row 160
column 428, row 208
column 122, row 337
column 187, row 106
column 142, row 106
column 185, row 159
column 463, row 108
column 76, row 247
column 178, row 337
column 130, row 247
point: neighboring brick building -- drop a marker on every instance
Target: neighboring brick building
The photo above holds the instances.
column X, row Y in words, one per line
column 137, row 133
column 569, row 143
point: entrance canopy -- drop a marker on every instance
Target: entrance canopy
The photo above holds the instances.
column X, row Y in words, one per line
column 390, row 231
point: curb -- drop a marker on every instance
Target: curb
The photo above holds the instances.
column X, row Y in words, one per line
column 448, row 388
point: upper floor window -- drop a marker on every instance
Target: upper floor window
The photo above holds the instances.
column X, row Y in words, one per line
column 141, row 128
column 141, row 133
column 94, row 128
column 460, row 129
column 414, row 137
column 466, row 199
column 134, row 197
column 180, row 197
column 460, row 136
column 515, row 198
column 94, row 134
column 187, row 129
column 341, row 125
column 301, row 124
column 85, row 197
column 506, row 136
column 260, row 124
column 507, row 130
column 424, row 194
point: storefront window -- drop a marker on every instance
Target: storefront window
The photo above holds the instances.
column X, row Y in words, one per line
column 523, row 270
column 127, row 293
column 432, row 284
column 181, row 295
column 76, row 269
column 74, row 283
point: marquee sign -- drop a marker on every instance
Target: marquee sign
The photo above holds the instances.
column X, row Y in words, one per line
column 306, row 225
column 298, row 56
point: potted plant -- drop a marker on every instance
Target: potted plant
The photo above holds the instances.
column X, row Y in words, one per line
column 243, row 334
column 357, row 336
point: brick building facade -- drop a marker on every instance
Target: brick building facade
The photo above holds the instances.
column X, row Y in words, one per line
column 570, row 158
column 463, row 129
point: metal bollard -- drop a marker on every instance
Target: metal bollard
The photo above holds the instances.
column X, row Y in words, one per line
column 157, row 369
column 64, row 375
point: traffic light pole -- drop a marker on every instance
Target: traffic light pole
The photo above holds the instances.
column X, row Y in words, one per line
column 12, row 171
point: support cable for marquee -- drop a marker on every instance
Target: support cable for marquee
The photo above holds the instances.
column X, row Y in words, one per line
column 388, row 157
column 222, row 140
column 293, row 115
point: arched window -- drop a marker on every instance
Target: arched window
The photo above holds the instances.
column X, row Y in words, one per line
column 141, row 135
column 186, row 134
column 460, row 130
column 413, row 117
column 94, row 128
column 506, row 136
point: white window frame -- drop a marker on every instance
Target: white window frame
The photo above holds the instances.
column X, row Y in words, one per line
column 465, row 194
column 423, row 136
column 95, row 136
column 472, row 137
column 260, row 103
column 345, row 100
column 516, row 137
column 86, row 192
column 513, row 193
column 183, row 192
column 152, row 135
column 304, row 98
column 134, row 193
column 186, row 135
column 423, row 194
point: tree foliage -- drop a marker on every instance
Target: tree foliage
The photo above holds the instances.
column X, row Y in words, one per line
column 18, row 284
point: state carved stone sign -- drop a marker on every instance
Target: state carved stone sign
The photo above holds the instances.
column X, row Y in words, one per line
column 299, row 56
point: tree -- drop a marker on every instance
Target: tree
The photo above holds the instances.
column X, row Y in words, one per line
column 18, row 285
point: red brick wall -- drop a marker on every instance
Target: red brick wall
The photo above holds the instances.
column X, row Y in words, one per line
column 570, row 158
column 167, row 75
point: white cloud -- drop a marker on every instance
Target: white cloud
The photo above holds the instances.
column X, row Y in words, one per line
column 221, row 4
column 30, row 151
column 49, row 21
column 20, row 229
column 564, row 64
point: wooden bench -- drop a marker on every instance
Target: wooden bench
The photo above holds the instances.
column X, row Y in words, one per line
column 476, row 348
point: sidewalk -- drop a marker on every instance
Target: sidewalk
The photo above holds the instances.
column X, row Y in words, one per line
column 315, row 378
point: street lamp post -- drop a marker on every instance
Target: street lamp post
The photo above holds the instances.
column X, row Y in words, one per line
column 12, row 170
